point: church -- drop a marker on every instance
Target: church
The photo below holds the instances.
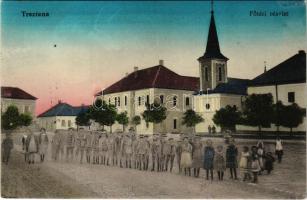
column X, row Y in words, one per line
column 206, row 94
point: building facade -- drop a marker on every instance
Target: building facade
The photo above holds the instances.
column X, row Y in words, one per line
column 62, row 116
column 24, row 101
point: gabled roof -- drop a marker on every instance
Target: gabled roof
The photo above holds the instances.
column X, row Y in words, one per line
column 153, row 77
column 15, row 93
column 213, row 46
column 292, row 70
column 63, row 109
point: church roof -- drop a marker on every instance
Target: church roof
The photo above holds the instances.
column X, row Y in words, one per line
column 63, row 109
column 292, row 70
column 154, row 77
column 15, row 93
column 213, row 46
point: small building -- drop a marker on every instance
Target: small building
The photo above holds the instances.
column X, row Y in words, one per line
column 24, row 101
column 62, row 116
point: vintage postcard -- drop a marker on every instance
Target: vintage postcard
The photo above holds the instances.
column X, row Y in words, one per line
column 153, row 99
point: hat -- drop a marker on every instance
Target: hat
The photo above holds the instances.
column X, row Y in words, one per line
column 170, row 138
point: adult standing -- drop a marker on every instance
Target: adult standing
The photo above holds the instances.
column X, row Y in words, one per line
column 43, row 144
column 231, row 159
column 70, row 144
column 186, row 156
column 155, row 148
column 170, row 154
column 32, row 147
column 178, row 153
column 7, row 146
column 197, row 156
column 279, row 149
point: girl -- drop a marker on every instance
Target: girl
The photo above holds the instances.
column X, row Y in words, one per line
column 186, row 156
column 255, row 164
column 244, row 163
column 197, row 156
column 260, row 153
column 219, row 162
column 208, row 159
column 279, row 149
column 231, row 159
column 43, row 144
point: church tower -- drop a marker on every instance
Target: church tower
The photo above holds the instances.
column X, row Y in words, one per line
column 213, row 64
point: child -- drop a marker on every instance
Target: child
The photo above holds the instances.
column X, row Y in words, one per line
column 219, row 162
column 261, row 153
column 255, row 164
column 231, row 159
column 269, row 162
column 208, row 159
column 244, row 163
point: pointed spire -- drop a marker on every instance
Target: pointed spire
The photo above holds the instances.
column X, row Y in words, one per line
column 213, row 47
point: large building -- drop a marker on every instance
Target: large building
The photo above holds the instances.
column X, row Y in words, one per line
column 24, row 101
column 62, row 116
column 147, row 85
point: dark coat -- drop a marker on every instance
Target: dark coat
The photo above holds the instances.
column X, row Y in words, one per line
column 208, row 157
column 231, row 156
column 269, row 160
column 7, row 144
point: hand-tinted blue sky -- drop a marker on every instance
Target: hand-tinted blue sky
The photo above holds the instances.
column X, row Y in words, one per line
column 98, row 42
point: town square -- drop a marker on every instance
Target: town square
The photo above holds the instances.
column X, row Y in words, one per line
column 155, row 100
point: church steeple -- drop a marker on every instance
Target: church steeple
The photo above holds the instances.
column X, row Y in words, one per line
column 213, row 64
column 213, row 46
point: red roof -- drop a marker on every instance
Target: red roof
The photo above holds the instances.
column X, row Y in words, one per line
column 15, row 93
column 153, row 77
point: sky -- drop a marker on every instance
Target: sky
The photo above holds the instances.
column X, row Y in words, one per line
column 98, row 42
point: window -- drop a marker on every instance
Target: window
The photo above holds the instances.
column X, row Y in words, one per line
column 140, row 101
column 63, row 123
column 291, row 97
column 147, row 99
column 125, row 100
column 109, row 101
column 207, row 106
column 174, row 101
column 187, row 101
column 27, row 110
column 69, row 123
column 161, row 99
column 220, row 73
column 115, row 101
column 206, row 74
column 118, row 101
column 175, row 124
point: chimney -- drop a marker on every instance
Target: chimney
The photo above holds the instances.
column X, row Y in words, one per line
column 59, row 101
column 135, row 69
column 161, row 62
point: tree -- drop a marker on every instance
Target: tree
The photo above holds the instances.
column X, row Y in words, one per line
column 292, row 116
column 191, row 119
column 258, row 110
column 122, row 119
column 278, row 109
column 25, row 119
column 227, row 118
column 154, row 113
column 10, row 118
column 136, row 120
column 83, row 118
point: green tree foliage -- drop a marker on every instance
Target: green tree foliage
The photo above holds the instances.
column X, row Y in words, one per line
column 258, row 110
column 25, row 119
column 83, row 118
column 122, row 119
column 291, row 116
column 227, row 118
column 154, row 113
column 191, row 119
column 10, row 118
column 136, row 120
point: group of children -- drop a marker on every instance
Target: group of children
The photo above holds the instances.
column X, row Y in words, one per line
column 129, row 151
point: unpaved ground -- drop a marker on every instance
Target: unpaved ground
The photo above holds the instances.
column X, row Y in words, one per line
column 69, row 180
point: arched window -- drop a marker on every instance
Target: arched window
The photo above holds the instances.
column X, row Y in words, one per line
column 118, row 101
column 175, row 124
column 140, row 100
column 109, row 100
column 125, row 100
column 220, row 73
column 175, row 101
column 161, row 99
